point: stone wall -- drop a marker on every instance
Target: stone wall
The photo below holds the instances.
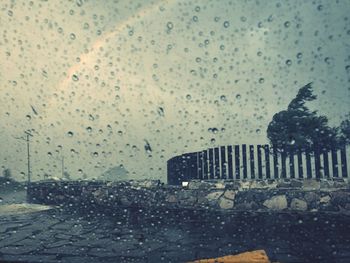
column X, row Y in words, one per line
column 268, row 195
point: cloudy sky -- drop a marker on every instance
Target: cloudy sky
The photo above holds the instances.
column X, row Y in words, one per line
column 97, row 81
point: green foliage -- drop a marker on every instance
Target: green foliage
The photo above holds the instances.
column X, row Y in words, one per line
column 298, row 127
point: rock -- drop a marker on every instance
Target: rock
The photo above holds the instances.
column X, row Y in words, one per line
column 296, row 183
column 311, row 197
column 278, row 202
column 247, row 206
column 149, row 183
column 311, row 184
column 189, row 201
column 325, row 199
column 298, row 204
column 220, row 185
column 225, row 203
column 214, row 195
column 230, row 194
column 244, row 185
column 195, row 185
column 283, row 183
column 171, row 199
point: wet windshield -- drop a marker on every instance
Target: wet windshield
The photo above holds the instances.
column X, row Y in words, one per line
column 174, row 131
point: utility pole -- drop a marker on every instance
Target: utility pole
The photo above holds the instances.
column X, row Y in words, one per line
column 28, row 154
column 62, row 166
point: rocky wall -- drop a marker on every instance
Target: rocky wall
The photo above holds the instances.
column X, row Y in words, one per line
column 272, row 195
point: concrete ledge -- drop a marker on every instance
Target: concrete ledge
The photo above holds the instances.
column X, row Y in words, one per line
column 272, row 195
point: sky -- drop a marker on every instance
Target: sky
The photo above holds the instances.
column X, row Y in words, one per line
column 134, row 83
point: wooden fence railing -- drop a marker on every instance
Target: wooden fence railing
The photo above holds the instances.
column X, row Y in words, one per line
column 235, row 162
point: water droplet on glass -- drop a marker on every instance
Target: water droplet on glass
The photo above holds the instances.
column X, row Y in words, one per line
column 288, row 62
column 238, row 96
column 261, row 80
column 226, row 24
column 79, row 2
column 72, row 36
column 223, row 98
column 170, row 25
column 286, row 24
column 75, row 78
column 148, row 148
column 188, row 96
column 70, row 134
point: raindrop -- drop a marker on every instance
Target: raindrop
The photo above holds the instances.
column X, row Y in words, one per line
column 226, row 24
column 170, row 25
column 223, row 98
column 261, row 80
column 79, row 2
column 188, row 96
column 258, row 131
column 160, row 111
column 95, row 154
column 148, row 148
column 89, row 129
column 288, row 62
column 287, row 24
column 70, row 134
column 299, row 55
column 238, row 96
column 28, row 117
column 75, row 78
column 195, row 18
column 72, row 36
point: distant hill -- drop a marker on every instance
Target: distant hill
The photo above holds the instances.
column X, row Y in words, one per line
column 117, row 173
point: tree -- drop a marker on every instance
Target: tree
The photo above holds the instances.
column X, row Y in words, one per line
column 298, row 127
column 7, row 173
column 344, row 130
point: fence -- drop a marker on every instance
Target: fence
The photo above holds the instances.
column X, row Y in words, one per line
column 249, row 162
